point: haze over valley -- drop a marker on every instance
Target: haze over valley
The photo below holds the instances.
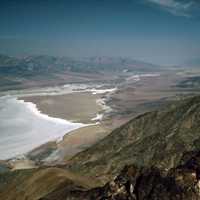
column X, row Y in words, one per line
column 99, row 100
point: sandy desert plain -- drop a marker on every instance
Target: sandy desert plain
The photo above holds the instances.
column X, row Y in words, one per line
column 101, row 107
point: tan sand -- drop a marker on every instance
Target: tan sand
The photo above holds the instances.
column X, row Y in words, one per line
column 81, row 139
column 72, row 143
column 77, row 107
column 22, row 164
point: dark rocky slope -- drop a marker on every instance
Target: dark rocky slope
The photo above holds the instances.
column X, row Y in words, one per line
column 154, row 139
column 133, row 183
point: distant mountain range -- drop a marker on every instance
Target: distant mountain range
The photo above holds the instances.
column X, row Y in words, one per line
column 45, row 63
column 17, row 73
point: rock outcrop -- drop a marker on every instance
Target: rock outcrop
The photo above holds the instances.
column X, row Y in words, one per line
column 136, row 183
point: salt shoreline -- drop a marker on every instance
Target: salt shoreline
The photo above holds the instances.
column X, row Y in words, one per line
column 59, row 90
column 43, row 128
column 67, row 89
column 66, row 126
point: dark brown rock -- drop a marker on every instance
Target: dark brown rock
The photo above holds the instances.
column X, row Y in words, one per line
column 136, row 183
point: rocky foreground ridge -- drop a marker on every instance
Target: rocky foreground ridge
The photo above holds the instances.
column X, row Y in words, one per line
column 135, row 183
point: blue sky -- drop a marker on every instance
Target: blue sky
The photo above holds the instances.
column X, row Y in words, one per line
column 159, row 31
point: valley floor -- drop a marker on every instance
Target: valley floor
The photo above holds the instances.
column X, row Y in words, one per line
column 132, row 97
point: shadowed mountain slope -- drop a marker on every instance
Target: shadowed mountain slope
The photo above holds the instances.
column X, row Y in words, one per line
column 157, row 138
column 139, row 183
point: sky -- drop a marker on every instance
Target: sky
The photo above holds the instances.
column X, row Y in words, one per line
column 164, row 32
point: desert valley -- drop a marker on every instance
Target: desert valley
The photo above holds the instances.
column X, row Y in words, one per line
column 100, row 100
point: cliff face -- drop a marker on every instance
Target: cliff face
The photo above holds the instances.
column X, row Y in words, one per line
column 156, row 139
column 136, row 183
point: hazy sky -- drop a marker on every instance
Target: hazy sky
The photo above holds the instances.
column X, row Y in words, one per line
column 158, row 31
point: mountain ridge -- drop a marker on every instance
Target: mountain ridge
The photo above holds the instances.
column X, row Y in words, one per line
column 141, row 183
column 44, row 70
column 157, row 138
